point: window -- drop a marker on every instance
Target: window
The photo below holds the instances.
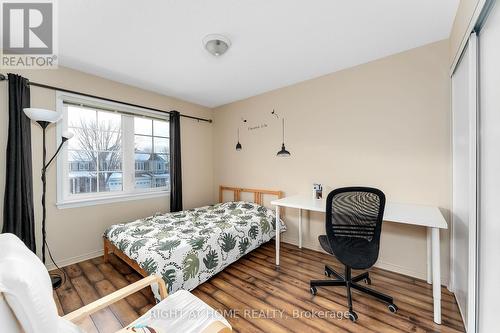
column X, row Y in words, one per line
column 151, row 153
column 117, row 153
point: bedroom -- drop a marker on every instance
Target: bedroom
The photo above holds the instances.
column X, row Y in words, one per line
column 277, row 103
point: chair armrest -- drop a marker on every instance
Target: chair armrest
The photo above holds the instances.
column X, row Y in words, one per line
column 215, row 327
column 116, row 296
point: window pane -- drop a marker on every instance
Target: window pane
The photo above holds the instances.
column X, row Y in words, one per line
column 161, row 181
column 151, row 170
column 109, row 121
column 146, row 180
column 143, row 144
column 161, row 145
column 95, row 153
column 143, row 126
column 110, row 181
column 84, row 139
column 110, row 160
column 109, row 141
column 142, row 180
column 161, row 128
column 160, row 164
column 80, row 117
column 81, row 161
column 82, row 182
column 141, row 162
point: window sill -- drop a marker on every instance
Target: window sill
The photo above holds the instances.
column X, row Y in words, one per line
column 110, row 199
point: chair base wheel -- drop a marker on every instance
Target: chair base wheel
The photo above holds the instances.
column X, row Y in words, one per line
column 393, row 308
column 353, row 316
column 368, row 281
column 327, row 273
column 313, row 291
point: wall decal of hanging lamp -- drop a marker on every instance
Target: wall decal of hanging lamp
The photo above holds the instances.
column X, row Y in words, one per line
column 238, row 145
column 283, row 152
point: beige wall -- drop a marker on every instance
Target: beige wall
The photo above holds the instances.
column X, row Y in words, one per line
column 76, row 233
column 463, row 17
column 384, row 124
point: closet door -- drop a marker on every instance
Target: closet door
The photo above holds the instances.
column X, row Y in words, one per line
column 489, row 174
column 464, row 114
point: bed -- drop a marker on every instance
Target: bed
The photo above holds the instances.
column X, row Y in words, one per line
column 189, row 247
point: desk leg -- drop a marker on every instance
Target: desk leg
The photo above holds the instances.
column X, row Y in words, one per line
column 300, row 228
column 436, row 275
column 429, row 255
column 277, row 224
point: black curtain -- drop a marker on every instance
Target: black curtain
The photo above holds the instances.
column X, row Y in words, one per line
column 18, row 217
column 175, row 162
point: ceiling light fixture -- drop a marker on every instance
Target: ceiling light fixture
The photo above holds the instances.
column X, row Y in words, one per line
column 216, row 44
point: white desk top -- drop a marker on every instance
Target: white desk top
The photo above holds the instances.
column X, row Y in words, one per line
column 427, row 216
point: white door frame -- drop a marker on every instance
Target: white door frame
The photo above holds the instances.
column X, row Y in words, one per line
column 473, row 182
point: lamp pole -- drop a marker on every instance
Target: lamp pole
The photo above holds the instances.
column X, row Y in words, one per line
column 44, row 118
column 44, row 125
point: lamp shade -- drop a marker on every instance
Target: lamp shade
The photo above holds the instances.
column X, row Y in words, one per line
column 283, row 152
column 37, row 114
column 66, row 135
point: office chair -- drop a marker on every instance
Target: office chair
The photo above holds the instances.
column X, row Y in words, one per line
column 353, row 226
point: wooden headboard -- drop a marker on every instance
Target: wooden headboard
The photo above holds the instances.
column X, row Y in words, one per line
column 257, row 194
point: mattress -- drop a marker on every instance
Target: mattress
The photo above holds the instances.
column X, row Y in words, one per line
column 189, row 247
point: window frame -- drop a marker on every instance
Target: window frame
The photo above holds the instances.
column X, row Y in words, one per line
column 129, row 192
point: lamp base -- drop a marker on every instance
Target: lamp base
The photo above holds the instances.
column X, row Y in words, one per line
column 56, row 281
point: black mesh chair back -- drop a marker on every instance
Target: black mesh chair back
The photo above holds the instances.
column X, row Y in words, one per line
column 354, row 223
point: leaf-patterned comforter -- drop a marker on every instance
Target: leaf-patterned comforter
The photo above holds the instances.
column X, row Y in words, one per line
column 187, row 248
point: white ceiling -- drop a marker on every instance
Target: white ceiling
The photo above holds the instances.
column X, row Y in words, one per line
column 157, row 44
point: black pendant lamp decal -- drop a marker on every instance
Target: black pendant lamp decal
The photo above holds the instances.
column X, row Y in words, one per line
column 283, row 152
column 238, row 145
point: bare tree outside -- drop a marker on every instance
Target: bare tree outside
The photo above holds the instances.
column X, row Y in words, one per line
column 96, row 152
column 100, row 145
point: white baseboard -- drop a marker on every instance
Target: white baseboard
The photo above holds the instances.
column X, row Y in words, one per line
column 73, row 260
column 380, row 263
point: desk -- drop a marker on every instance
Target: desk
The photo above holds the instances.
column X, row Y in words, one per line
column 420, row 215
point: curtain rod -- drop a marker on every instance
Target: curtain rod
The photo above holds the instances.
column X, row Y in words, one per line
column 4, row 78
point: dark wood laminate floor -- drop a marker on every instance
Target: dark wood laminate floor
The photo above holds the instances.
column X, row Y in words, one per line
column 257, row 298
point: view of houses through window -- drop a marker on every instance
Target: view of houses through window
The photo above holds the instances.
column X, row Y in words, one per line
column 151, row 153
column 98, row 152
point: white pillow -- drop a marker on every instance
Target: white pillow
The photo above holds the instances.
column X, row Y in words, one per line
column 27, row 288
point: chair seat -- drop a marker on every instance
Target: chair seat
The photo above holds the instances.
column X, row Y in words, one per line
column 358, row 253
column 180, row 312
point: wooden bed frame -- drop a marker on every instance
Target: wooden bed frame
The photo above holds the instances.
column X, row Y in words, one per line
column 258, row 197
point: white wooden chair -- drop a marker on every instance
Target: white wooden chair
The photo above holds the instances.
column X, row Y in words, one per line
column 27, row 304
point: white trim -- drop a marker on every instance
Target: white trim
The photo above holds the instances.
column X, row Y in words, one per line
column 73, row 260
column 111, row 199
column 465, row 38
column 473, row 183
column 64, row 200
column 76, row 98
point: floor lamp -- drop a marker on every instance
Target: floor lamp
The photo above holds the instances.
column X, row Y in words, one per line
column 44, row 118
